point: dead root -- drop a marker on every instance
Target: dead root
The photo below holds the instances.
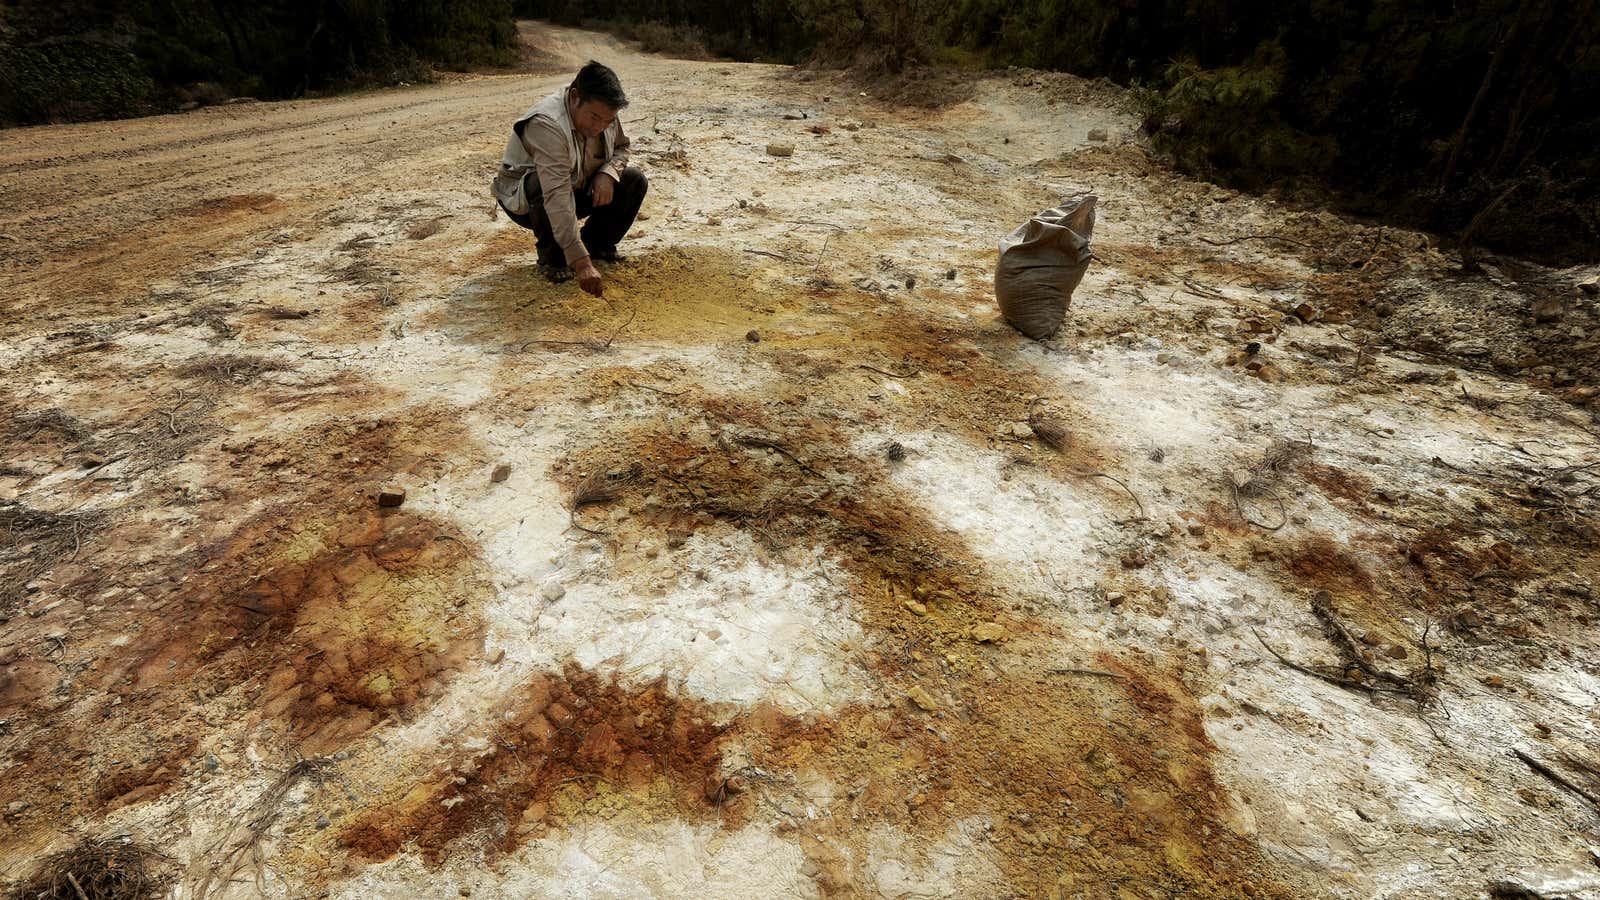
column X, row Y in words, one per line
column 597, row 488
column 240, row 846
column 111, row 868
column 1263, row 480
column 1356, row 670
column 31, row 540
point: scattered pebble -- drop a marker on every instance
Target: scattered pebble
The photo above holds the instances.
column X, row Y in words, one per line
column 988, row 632
column 1099, row 135
column 390, row 496
column 922, row 698
column 780, row 149
column 500, row 473
column 753, row 336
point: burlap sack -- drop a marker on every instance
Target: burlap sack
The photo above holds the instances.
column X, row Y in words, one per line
column 1041, row 264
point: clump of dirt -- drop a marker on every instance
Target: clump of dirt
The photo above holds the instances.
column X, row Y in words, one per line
column 1091, row 777
column 563, row 747
column 1541, row 329
column 1350, row 490
column 669, row 294
column 309, row 631
column 217, row 207
column 362, row 614
column 1319, row 561
column 787, row 484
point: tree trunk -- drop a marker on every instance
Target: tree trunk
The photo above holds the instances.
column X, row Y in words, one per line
column 1495, row 58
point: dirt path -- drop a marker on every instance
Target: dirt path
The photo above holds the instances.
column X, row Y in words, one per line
column 783, row 595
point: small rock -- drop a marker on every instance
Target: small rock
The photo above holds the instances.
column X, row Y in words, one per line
column 212, row 763
column 18, row 807
column 1134, row 561
column 922, row 698
column 322, row 822
column 496, row 656
column 1591, row 286
column 1115, row 598
column 552, row 591
column 1548, row 309
column 753, row 336
column 1270, row 373
column 390, row 496
column 950, row 275
column 1384, row 310
column 1098, row 135
column 1395, row 651
column 916, row 607
column 780, row 149
column 500, row 473
column 713, row 220
column 1020, row 430
column 1197, row 529
column 988, row 632
column 1305, row 312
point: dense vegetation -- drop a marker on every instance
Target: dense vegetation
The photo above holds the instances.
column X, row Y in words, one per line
column 64, row 60
column 1478, row 118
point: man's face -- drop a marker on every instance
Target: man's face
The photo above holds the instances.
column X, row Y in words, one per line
column 590, row 117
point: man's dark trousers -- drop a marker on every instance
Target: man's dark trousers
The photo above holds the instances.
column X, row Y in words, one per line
column 606, row 226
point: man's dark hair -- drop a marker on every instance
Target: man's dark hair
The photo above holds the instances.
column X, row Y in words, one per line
column 598, row 82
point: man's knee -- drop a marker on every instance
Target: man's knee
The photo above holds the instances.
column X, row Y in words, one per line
column 634, row 182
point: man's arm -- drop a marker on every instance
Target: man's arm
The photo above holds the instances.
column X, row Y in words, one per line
column 619, row 155
column 551, row 154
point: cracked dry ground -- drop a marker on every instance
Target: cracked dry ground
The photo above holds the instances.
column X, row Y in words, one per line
column 782, row 595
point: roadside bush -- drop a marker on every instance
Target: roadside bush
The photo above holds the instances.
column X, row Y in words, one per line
column 63, row 60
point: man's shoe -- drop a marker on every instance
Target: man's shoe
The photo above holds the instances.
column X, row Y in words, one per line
column 555, row 274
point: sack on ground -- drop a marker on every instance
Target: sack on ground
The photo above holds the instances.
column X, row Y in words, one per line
column 1041, row 264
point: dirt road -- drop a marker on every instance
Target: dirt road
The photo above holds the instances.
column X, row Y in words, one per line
column 783, row 595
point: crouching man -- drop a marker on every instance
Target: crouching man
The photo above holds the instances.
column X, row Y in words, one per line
column 567, row 159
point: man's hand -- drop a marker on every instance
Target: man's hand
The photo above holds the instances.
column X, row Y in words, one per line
column 600, row 188
column 589, row 277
